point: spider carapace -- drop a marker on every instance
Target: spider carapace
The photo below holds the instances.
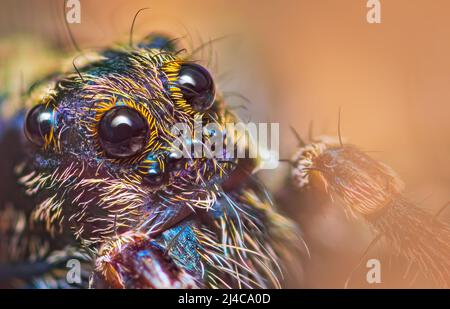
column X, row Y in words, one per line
column 90, row 174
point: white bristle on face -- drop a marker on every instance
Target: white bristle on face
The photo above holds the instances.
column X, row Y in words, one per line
column 304, row 157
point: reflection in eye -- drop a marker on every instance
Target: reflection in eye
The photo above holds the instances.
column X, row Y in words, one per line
column 187, row 80
column 197, row 86
column 122, row 132
column 39, row 123
column 121, row 120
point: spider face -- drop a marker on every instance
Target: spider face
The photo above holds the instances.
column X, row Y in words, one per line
column 104, row 170
column 101, row 142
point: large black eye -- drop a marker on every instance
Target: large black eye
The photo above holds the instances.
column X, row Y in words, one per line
column 39, row 123
column 197, row 86
column 123, row 132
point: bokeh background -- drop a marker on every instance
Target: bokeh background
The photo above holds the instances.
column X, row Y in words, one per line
column 297, row 62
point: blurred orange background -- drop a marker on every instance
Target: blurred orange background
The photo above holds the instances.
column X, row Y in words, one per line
column 300, row 61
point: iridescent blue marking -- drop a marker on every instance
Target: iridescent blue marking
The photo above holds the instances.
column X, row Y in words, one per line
column 158, row 42
column 184, row 251
column 143, row 253
column 154, row 168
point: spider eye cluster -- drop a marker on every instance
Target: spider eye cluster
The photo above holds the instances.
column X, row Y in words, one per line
column 39, row 123
column 197, row 86
column 122, row 132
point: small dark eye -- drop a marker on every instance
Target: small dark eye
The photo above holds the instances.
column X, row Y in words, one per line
column 39, row 123
column 197, row 86
column 122, row 132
